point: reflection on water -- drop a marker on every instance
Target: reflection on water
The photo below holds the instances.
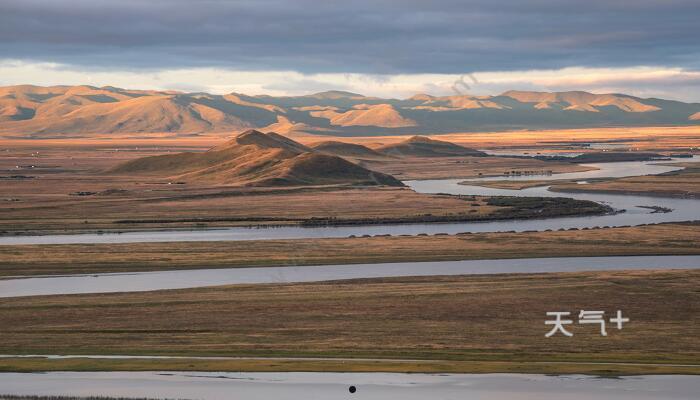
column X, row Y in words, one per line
column 329, row 386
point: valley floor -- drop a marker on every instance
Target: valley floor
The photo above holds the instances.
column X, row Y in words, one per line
column 434, row 324
column 483, row 323
column 662, row 239
column 54, row 190
column 682, row 184
column 649, row 138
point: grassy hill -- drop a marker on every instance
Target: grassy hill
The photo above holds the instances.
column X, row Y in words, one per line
column 346, row 149
column 421, row 146
column 254, row 158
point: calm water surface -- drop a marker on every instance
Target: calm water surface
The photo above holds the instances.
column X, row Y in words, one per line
column 145, row 281
column 330, row 386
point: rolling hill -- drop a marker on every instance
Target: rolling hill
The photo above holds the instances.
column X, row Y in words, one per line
column 346, row 149
column 420, row 146
column 580, row 101
column 68, row 111
column 379, row 115
column 254, row 158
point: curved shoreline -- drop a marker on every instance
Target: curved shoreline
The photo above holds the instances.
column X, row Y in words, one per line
column 452, row 187
column 195, row 278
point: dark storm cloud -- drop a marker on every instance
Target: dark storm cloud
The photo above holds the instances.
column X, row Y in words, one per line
column 381, row 37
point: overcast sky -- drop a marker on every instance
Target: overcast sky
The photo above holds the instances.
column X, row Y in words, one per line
column 384, row 48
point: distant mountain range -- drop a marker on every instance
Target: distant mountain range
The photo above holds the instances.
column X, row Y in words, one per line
column 74, row 111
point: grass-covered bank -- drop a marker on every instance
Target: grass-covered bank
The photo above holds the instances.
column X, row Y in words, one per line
column 662, row 239
column 427, row 366
column 463, row 323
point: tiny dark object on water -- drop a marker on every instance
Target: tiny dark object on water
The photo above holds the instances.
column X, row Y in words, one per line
column 352, row 389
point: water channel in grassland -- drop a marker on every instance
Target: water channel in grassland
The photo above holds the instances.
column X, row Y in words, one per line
column 330, row 386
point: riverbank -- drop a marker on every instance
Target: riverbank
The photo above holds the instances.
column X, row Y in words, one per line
column 684, row 184
column 477, row 323
column 661, row 239
column 44, row 206
column 54, row 190
column 203, row 208
column 39, row 364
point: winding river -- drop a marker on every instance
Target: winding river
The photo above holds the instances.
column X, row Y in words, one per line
column 182, row 279
column 682, row 210
column 330, row 386
column 225, row 385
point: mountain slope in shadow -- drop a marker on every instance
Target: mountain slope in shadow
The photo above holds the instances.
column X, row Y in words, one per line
column 421, row 146
column 346, row 149
column 254, row 158
column 83, row 111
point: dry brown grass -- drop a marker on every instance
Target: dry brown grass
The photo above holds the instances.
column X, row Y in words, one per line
column 515, row 185
column 643, row 138
column 467, row 318
column 45, row 205
column 44, row 202
column 92, row 258
column 343, row 365
column 684, row 184
column 463, row 167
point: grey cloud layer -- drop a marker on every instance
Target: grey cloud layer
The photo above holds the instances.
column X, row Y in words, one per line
column 380, row 37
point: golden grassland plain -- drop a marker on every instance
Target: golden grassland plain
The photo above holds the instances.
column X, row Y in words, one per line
column 516, row 185
column 410, row 168
column 39, row 364
column 217, row 206
column 636, row 138
column 488, row 323
column 681, row 184
column 663, row 239
column 651, row 138
column 48, row 189
column 684, row 183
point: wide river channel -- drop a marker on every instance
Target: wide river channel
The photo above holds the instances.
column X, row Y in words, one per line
column 183, row 279
column 330, row 386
